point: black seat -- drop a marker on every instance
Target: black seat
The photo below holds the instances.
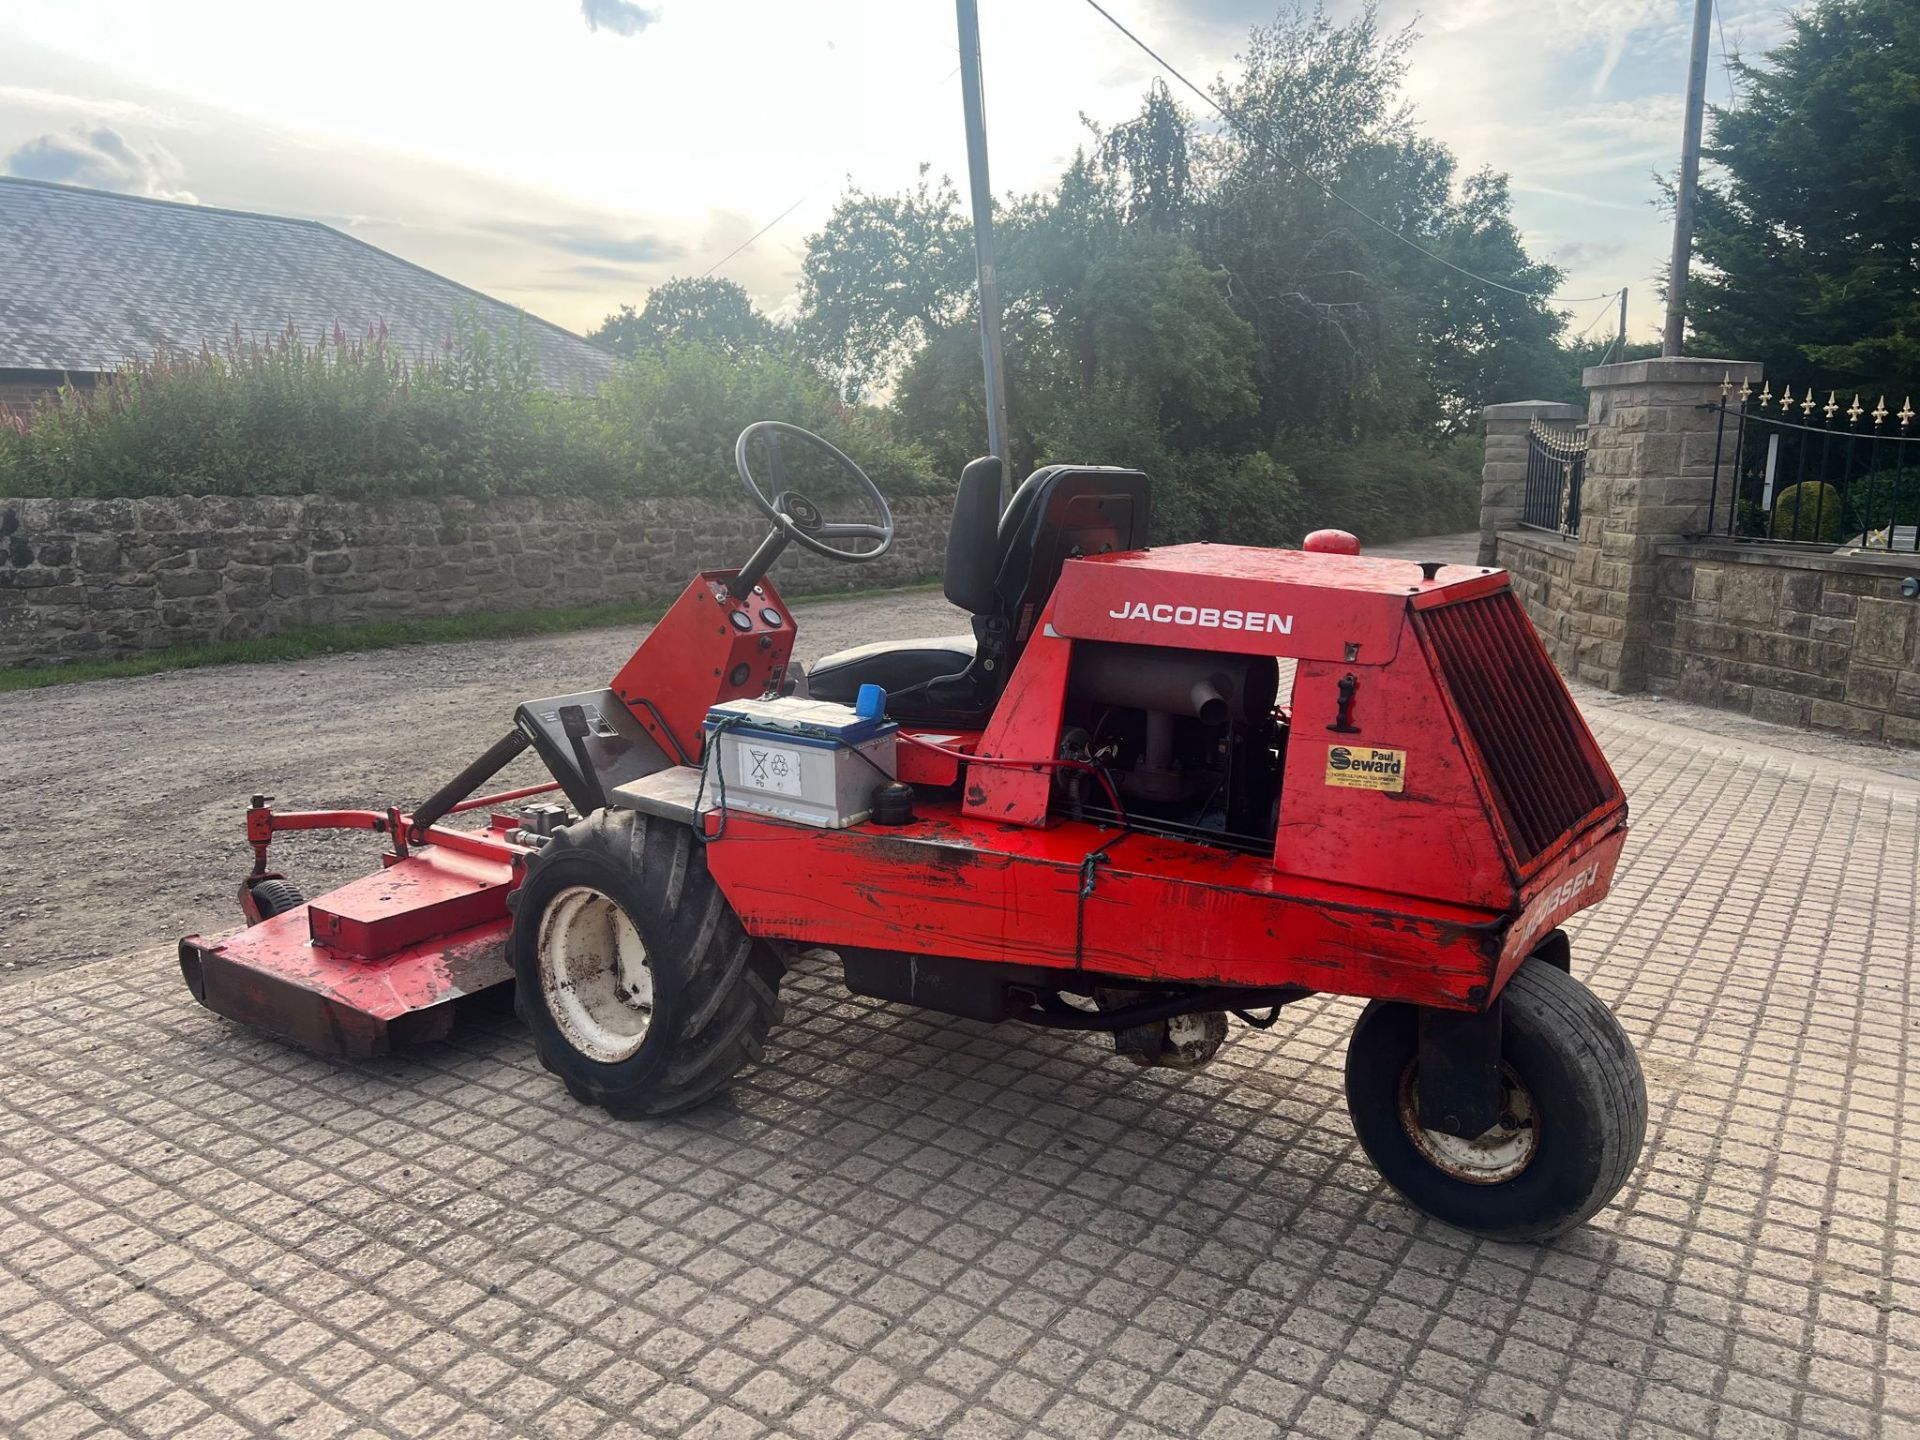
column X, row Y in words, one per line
column 1001, row 568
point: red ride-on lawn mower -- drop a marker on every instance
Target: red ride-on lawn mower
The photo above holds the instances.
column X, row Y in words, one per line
column 1153, row 789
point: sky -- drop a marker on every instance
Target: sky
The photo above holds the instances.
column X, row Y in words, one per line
column 567, row 155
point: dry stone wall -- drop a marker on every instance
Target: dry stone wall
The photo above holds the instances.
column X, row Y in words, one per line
column 89, row 579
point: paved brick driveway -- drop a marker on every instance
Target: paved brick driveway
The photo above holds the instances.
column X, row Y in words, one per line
column 906, row 1225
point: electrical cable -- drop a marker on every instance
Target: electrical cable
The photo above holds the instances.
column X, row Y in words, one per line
column 1321, row 185
column 1726, row 60
column 753, row 237
column 1004, row 763
column 746, row 243
column 712, row 760
column 1606, row 309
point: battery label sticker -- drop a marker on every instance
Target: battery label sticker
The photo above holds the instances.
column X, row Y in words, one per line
column 773, row 768
column 1360, row 767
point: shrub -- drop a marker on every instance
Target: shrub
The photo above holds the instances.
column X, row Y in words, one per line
column 1810, row 510
column 669, row 420
column 1386, row 489
column 358, row 417
column 1881, row 500
column 1234, row 499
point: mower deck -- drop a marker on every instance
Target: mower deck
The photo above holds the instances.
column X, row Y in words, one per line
column 370, row 967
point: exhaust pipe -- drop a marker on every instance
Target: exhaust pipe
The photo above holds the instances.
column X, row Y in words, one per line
column 1211, row 687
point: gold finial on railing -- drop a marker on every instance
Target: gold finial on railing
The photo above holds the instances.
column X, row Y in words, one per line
column 1854, row 412
column 1726, row 385
column 1906, row 412
column 1746, row 389
column 1831, row 407
column 1880, row 412
column 1806, row 405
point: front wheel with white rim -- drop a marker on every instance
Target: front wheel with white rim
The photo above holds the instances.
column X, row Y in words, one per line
column 641, row 989
column 1572, row 1120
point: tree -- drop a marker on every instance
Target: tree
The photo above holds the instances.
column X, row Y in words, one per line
column 1812, row 232
column 1318, row 174
column 687, row 310
column 886, row 274
column 1237, row 311
column 1151, row 156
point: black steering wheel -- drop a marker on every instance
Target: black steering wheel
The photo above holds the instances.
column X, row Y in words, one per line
column 797, row 517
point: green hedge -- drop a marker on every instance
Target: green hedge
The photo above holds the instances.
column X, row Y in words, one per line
column 357, row 418
column 362, row 418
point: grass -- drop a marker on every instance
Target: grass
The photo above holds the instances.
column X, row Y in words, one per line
column 314, row 640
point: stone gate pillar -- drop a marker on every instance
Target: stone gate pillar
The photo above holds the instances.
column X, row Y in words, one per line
column 1648, row 477
column 1503, row 477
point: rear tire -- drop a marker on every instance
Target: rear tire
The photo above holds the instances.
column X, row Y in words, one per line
column 1575, row 1096
column 642, row 991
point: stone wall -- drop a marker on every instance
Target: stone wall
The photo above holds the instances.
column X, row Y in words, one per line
column 1638, row 600
column 1649, row 472
column 86, row 579
column 1827, row 641
column 1540, row 567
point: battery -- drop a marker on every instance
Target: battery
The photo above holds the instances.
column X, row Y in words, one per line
column 810, row 761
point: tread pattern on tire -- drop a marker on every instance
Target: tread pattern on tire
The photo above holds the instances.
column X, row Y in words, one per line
column 724, row 984
column 277, row 897
column 1576, row 1010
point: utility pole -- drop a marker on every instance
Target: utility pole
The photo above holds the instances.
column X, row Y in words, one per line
column 1620, row 339
column 1674, row 340
column 967, row 13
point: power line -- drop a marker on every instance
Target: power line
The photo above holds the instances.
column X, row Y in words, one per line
column 1605, row 309
column 1726, row 60
column 753, row 237
column 1326, row 189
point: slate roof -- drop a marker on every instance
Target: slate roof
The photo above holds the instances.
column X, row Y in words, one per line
column 90, row 280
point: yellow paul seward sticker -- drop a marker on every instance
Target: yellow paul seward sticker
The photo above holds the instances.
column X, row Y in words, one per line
column 1361, row 767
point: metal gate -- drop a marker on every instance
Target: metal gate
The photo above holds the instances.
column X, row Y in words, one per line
column 1556, row 465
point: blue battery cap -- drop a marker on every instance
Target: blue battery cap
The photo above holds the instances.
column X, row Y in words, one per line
column 871, row 703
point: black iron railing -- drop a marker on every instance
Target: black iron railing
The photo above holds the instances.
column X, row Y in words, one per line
column 1556, row 465
column 1799, row 471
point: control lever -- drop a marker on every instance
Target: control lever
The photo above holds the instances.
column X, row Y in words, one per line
column 573, row 719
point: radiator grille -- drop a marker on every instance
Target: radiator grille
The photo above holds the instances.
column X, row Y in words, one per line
column 1532, row 742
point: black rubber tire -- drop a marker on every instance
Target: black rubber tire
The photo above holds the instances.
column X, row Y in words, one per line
column 716, row 989
column 1589, row 1097
column 277, row 897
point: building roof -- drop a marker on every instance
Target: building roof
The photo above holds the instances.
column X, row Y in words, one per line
column 90, row 281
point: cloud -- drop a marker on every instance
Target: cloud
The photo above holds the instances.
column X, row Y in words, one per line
column 102, row 159
column 622, row 17
column 1588, row 253
column 596, row 242
column 85, row 108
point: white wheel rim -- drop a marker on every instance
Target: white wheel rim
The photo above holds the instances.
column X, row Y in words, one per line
column 1494, row 1156
column 594, row 975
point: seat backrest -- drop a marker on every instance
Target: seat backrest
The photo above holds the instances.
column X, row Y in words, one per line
column 973, row 544
column 1062, row 511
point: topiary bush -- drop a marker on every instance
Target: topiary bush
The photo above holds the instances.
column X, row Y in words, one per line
column 1809, row 511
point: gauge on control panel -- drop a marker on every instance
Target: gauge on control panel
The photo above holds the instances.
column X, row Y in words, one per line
column 770, row 615
column 741, row 619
